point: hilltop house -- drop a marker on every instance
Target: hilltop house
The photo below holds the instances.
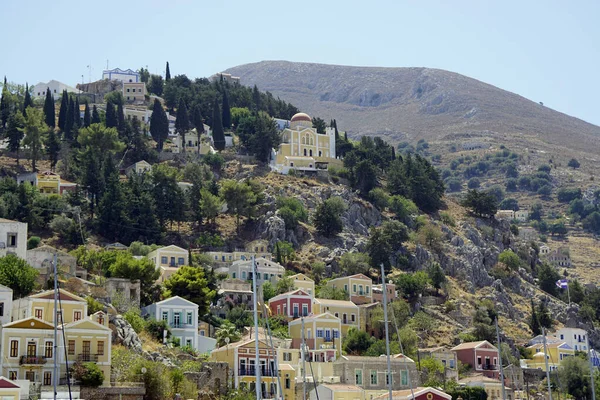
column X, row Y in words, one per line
column 303, row 148
column 560, row 257
column 232, row 293
column 576, row 338
column 358, row 286
column 493, row 387
column 321, row 336
column 13, row 238
column 134, row 92
column 138, row 168
column 303, row 282
column 47, row 182
column 378, row 292
column 268, row 271
column 168, row 259
column 556, row 352
column 118, row 74
column 56, row 89
column 481, row 356
column 346, row 311
column 256, row 248
column 371, row 372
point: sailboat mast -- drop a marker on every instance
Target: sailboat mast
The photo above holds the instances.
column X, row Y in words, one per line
column 591, row 372
column 55, row 354
column 387, row 334
column 257, row 358
column 547, row 367
column 500, row 360
column 303, row 354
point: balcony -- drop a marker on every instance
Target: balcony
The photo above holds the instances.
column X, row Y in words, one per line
column 181, row 325
column 32, row 360
column 328, row 339
column 487, row 367
column 87, row 357
column 252, row 372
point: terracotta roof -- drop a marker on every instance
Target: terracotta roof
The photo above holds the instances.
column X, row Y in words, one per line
column 471, row 345
column 408, row 394
column 301, row 117
column 6, row 384
column 479, row 378
column 330, row 302
column 342, row 387
column 286, row 367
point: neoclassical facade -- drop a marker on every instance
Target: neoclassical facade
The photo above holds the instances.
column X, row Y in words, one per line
column 302, row 148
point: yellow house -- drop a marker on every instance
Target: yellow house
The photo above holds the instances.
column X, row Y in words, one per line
column 322, row 336
column 346, row 311
column 140, row 167
column 48, row 182
column 303, row 282
column 337, row 392
column 28, row 342
column 303, row 148
column 556, row 352
column 169, row 256
column 258, row 248
column 358, row 287
column 9, row 390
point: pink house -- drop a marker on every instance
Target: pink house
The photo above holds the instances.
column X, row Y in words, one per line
column 481, row 356
column 294, row 304
column 378, row 293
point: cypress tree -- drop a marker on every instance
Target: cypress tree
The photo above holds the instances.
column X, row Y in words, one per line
column 168, row 73
column 76, row 114
column 226, row 111
column 121, row 126
column 159, row 125
column 27, row 102
column 337, row 133
column 87, row 119
column 14, row 133
column 198, row 122
column 49, row 112
column 62, row 112
column 111, row 117
column 393, row 153
column 346, row 136
column 217, row 128
column 69, row 120
column 256, row 98
column 52, row 148
column 95, row 116
column 182, row 123
column 4, row 107
column 112, row 207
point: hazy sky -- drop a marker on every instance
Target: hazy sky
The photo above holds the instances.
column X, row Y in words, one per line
column 544, row 50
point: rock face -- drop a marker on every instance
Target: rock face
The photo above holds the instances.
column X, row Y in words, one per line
column 124, row 334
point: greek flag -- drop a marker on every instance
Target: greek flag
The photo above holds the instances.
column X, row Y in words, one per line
column 562, row 284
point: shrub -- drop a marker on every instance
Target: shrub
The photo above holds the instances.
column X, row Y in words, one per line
column 509, row 204
column 94, row 305
column 33, row 242
column 135, row 320
column 511, row 185
column 573, row 163
column 89, row 374
column 565, row 195
column 379, row 198
column 156, row 328
column 545, row 168
column 454, row 184
column 447, row 219
column 510, row 259
column 473, row 183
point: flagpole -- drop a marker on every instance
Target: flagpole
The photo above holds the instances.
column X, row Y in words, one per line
column 568, row 294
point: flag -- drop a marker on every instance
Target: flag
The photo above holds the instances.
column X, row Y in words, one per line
column 562, row 284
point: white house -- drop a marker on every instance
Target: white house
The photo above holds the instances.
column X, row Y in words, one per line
column 13, row 238
column 6, row 298
column 182, row 317
column 576, row 338
column 267, row 270
column 118, row 74
column 139, row 167
column 56, row 89
column 169, row 256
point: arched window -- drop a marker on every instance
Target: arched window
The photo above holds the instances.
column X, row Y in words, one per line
column 310, row 152
column 320, row 153
column 305, row 152
column 303, row 139
column 312, row 141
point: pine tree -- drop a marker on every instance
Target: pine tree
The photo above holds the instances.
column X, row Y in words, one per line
column 52, row 148
column 226, row 111
column 87, row 119
column 62, row 112
column 121, row 120
column 111, row 210
column 168, row 73
column 534, row 322
column 346, row 136
column 111, row 117
column 14, row 133
column 159, row 125
column 27, row 102
column 217, row 128
column 34, row 130
column 256, row 98
column 95, row 116
column 49, row 112
column 69, row 121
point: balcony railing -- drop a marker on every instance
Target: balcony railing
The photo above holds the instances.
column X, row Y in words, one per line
column 180, row 325
column 487, row 367
column 87, row 357
column 328, row 339
column 252, row 372
column 32, row 360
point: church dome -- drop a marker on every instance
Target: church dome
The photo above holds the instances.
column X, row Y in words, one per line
column 301, row 117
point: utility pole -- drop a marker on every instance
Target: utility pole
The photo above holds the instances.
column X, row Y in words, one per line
column 303, row 355
column 55, row 372
column 500, row 360
column 547, row 367
column 256, row 358
column 591, row 372
column 387, row 334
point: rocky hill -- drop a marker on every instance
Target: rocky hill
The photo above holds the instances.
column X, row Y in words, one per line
column 421, row 103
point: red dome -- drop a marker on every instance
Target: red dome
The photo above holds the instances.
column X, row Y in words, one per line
column 301, row 117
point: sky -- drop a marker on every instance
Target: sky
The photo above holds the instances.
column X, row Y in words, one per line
column 544, row 50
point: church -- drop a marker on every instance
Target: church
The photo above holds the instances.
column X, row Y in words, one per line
column 303, row 149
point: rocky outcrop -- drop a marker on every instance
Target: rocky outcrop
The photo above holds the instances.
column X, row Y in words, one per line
column 124, row 334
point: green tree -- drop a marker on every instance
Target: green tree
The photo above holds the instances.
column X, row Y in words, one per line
column 95, row 115
column 432, row 371
column 258, row 133
column 329, row 292
column 384, row 242
column 168, row 196
column 328, row 216
column 574, row 373
column 534, row 322
column 156, row 85
column 319, row 125
column 159, row 125
column 412, row 284
column 510, row 259
column 436, row 276
column 404, row 208
column 483, row 204
column 182, row 123
column 576, row 292
column 198, row 121
column 217, row 127
column 241, row 198
column 112, row 216
column 573, row 163
column 87, row 118
column 69, row 120
column 14, row 133
column 291, row 210
column 356, row 342
column 125, row 266
column 227, row 333
column 210, row 205
column 53, row 148
column 167, row 73
column 226, row 111
column 544, row 316
column 16, row 274
column 111, row 115
column 64, row 109
column 468, row 393
column 191, row 284
column 401, row 313
column 49, row 113
column 34, row 130
column 240, row 316
column 355, row 263
column 89, row 374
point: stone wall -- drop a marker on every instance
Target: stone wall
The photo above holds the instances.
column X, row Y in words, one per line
column 110, row 393
column 213, row 379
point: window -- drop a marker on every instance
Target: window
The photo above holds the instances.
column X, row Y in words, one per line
column 287, row 356
column 479, row 360
column 176, row 320
column 345, row 288
column 243, row 274
column 367, row 289
column 164, row 260
column 14, row 348
column 360, row 289
column 358, row 376
column 71, row 348
column 404, row 378
column 304, row 310
column 189, row 318
column 172, row 261
column 295, row 310
column 47, row 378
column 266, row 277
column 12, row 375
column 354, row 288
column 373, row 377
column 287, row 381
column 233, row 275
column 101, row 319
column 451, row 363
column 319, row 333
column 128, row 90
column 353, row 318
column 180, row 261
column 387, row 379
column 30, row 376
column 76, row 315
column 336, row 334
column 165, row 315
column 2, row 309
column 188, row 342
column 48, row 349
column 39, row 313
column 11, row 240
column 100, row 347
